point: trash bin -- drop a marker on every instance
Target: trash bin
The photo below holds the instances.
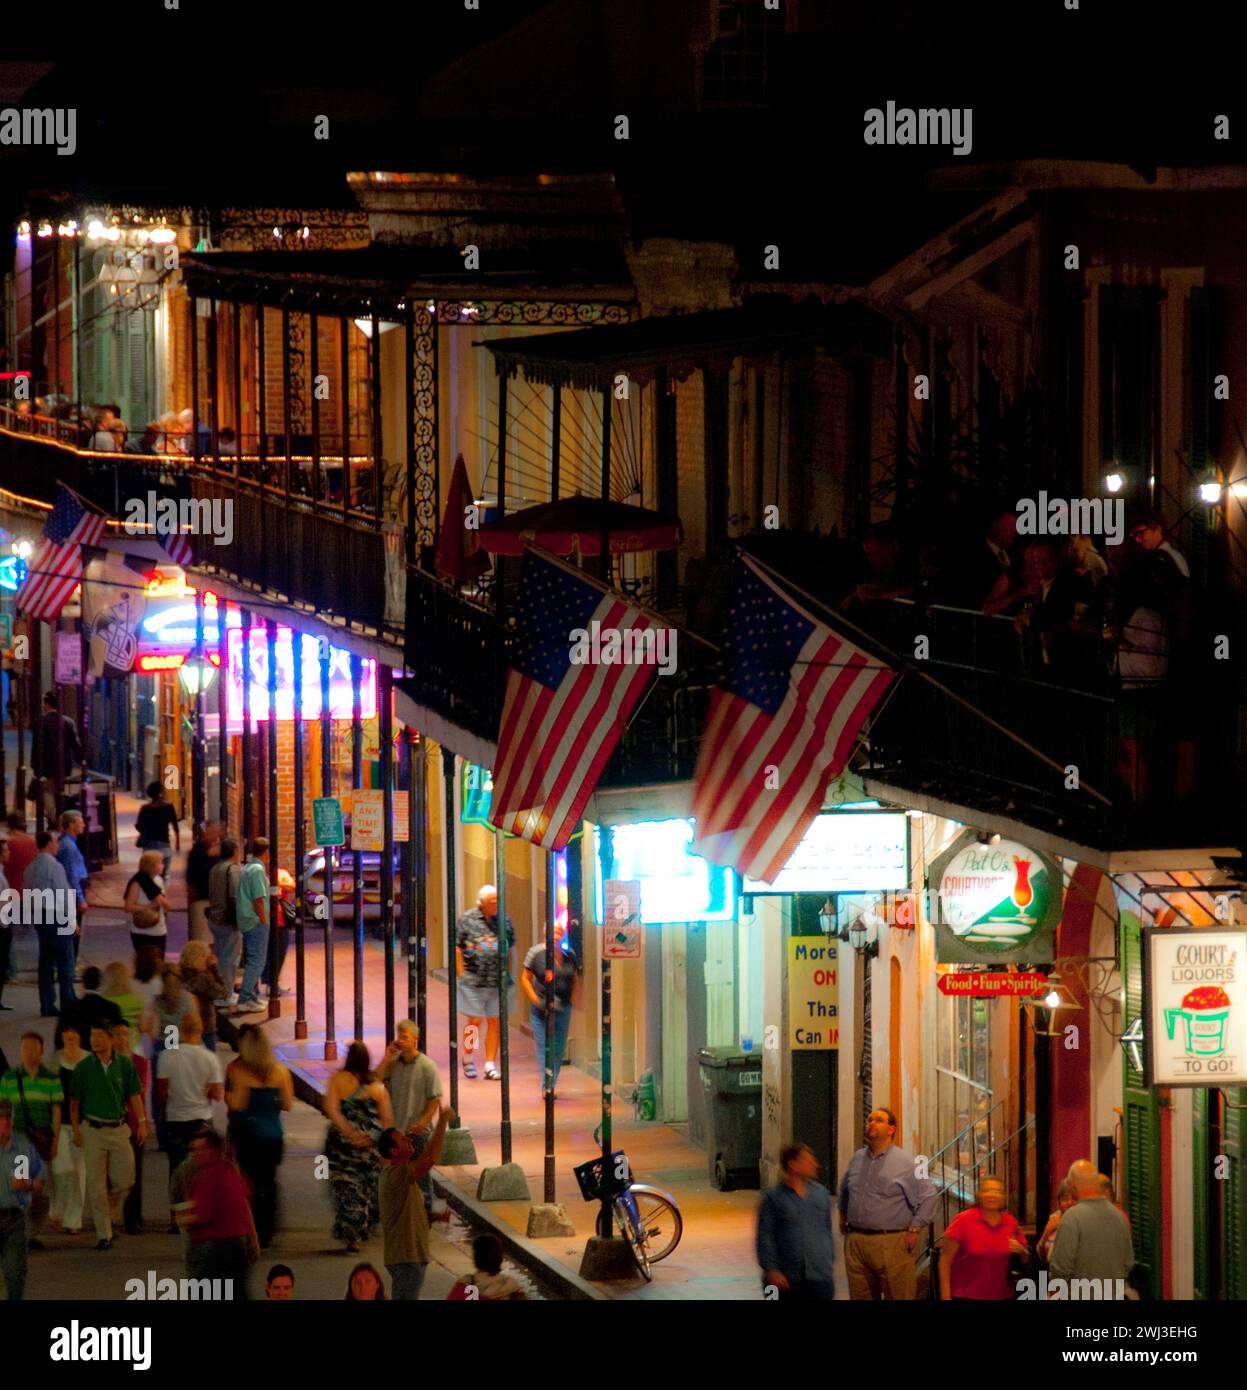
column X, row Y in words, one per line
column 99, row 809
column 732, row 1081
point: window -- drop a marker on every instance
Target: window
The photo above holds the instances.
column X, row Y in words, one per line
column 740, row 61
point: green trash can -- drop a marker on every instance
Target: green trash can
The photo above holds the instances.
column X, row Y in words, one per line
column 732, row 1081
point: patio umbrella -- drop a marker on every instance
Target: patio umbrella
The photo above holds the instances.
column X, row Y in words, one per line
column 458, row 554
column 574, row 525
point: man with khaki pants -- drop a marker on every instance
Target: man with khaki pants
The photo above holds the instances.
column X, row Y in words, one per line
column 105, row 1087
column 883, row 1207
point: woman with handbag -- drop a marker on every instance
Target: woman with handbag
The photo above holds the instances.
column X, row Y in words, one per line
column 34, row 1091
column 146, row 903
column 977, row 1247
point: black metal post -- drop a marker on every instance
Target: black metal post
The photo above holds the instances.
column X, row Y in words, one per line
column 452, row 924
column 300, row 844
column 222, row 713
column 504, row 990
column 285, row 397
column 606, row 857
column 326, row 789
column 499, row 593
column 418, row 832
column 274, row 897
column 407, row 872
column 245, row 817
column 317, row 480
column 214, row 417
column 357, row 857
column 344, row 353
column 199, row 793
column 385, row 729
column 549, row 1060
column 236, row 325
column 556, row 430
column 194, row 441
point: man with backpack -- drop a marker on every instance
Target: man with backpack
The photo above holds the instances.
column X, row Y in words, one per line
column 223, row 881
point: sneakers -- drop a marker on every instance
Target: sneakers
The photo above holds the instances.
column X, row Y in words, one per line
column 256, row 1006
column 469, row 1070
column 104, row 1245
column 492, row 1073
column 6, row 1008
column 227, row 1003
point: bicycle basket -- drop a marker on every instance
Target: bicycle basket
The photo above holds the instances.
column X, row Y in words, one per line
column 597, row 1185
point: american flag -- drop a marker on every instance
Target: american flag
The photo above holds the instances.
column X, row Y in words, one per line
column 560, row 721
column 791, row 699
column 56, row 566
column 178, row 548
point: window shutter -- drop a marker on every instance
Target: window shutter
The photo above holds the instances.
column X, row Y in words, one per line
column 1141, row 1194
column 1235, row 1197
column 1200, row 1209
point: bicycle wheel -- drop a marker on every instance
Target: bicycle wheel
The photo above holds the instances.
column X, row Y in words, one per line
column 660, row 1220
column 632, row 1231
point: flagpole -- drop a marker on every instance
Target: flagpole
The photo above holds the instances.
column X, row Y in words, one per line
column 907, row 664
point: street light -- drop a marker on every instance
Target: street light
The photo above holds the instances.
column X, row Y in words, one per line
column 1210, row 491
column 190, row 671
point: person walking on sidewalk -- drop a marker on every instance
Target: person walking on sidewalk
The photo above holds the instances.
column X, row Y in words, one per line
column 56, row 940
column 70, row 858
column 358, row 1106
column 204, row 856
column 6, row 931
column 253, row 922
column 202, row 980
column 83, row 1014
column 539, row 982
column 55, row 752
column 21, row 1180
column 260, row 1088
column 22, row 850
column 146, row 903
column 34, row 1092
column 404, row 1218
column 189, row 1081
column 975, row 1251
column 1093, row 1240
column 155, row 821
column 105, row 1091
column 415, row 1088
column 69, row 1174
column 883, row 1207
column 795, row 1247
column 223, row 917
column 477, row 962
column 222, row 1233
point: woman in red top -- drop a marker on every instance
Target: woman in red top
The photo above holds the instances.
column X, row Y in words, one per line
column 974, row 1258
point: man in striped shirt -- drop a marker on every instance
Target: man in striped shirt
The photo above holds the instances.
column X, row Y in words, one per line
column 35, row 1093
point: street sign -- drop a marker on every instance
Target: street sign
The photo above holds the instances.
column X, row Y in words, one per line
column 813, row 993
column 401, row 815
column 621, row 927
column 478, row 789
column 6, row 632
column 327, row 829
column 979, row 984
column 68, row 658
column 367, row 819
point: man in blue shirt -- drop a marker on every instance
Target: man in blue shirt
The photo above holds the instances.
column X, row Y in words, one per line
column 21, row 1177
column 56, row 939
column 253, row 923
column 69, row 856
column 795, row 1246
column 883, row 1206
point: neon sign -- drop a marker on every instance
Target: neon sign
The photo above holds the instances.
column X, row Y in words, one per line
column 175, row 626
column 12, row 573
column 339, row 678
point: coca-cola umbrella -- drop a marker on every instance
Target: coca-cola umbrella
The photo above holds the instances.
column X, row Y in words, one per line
column 575, row 525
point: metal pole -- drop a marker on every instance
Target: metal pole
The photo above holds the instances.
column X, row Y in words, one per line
column 245, row 815
column 300, row 845
column 452, row 922
column 326, row 789
column 504, row 981
column 214, row 419
column 606, row 855
column 499, row 593
column 199, row 793
column 194, row 441
column 222, row 746
column 357, row 857
column 550, row 1059
column 385, row 727
column 236, row 464
column 407, row 871
column 344, row 355
column 34, row 712
column 418, row 809
column 274, row 898
column 556, row 425
column 604, row 568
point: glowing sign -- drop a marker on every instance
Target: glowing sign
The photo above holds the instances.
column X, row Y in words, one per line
column 676, row 884
column 169, row 661
column 12, row 573
column 339, row 678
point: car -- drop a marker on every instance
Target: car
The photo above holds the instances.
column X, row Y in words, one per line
column 344, row 884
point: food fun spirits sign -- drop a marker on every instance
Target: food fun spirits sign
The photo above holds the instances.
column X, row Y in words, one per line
column 997, row 904
column 1195, row 1004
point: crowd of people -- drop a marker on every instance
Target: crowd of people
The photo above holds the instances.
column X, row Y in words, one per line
column 102, row 429
column 885, row 1211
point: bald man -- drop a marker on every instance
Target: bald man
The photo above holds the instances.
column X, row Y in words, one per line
column 478, row 961
column 1093, row 1240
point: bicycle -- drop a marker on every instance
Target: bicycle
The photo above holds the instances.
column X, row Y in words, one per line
column 647, row 1217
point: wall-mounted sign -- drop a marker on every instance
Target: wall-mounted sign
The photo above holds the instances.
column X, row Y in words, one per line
column 327, row 826
column 813, row 993
column 367, row 819
column 68, row 658
column 979, row 984
column 339, row 678
column 478, row 791
column 12, row 573
column 845, row 852
column 995, row 904
column 6, row 632
column 1195, row 1004
column 402, row 823
column 621, row 926
column 676, row 884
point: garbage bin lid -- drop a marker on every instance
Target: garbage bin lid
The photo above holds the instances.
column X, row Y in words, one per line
column 726, row 1057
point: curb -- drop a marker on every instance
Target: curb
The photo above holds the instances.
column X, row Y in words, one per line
column 523, row 1251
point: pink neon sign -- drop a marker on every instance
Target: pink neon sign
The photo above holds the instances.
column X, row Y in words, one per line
column 339, row 678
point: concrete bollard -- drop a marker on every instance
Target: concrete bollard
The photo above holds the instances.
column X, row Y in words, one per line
column 505, row 1183
column 549, row 1219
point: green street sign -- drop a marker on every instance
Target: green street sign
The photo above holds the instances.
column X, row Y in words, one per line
column 478, row 788
column 6, row 631
column 327, row 826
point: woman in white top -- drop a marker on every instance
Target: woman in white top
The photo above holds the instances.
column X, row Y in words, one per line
column 69, row 1172
column 146, row 903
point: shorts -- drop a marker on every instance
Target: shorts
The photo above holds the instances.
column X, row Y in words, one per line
column 476, row 1001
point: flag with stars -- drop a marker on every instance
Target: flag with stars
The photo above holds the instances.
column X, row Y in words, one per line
column 55, row 569
column 790, row 701
column 561, row 718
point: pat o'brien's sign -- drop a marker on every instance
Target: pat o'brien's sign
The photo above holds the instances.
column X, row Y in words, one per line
column 995, row 904
column 1195, row 1007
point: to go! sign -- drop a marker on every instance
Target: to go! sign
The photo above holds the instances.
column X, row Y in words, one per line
column 813, row 993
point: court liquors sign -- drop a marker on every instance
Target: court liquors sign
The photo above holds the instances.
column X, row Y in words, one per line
column 1195, row 996
column 995, row 904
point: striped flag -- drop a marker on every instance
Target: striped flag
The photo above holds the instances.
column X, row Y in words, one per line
column 178, row 548
column 791, row 698
column 566, row 705
column 56, row 567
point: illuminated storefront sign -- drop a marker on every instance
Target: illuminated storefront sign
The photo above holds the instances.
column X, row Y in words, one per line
column 12, row 573
column 998, row 903
column 339, row 678
column 676, row 884
column 171, row 624
column 1195, row 993
column 845, row 852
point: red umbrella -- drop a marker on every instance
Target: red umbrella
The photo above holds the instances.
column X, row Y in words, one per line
column 574, row 525
column 458, row 554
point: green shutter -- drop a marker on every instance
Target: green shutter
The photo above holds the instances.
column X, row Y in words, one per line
column 1141, row 1194
column 1235, row 1197
column 1201, row 1104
